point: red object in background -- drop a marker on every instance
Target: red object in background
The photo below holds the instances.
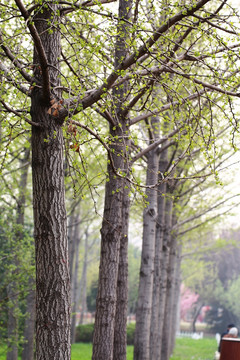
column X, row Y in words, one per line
column 230, row 349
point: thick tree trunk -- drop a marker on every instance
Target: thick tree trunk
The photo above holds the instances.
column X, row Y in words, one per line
column 110, row 246
column 144, row 304
column 154, row 334
column 112, row 232
column 113, row 229
column 50, row 223
column 52, row 276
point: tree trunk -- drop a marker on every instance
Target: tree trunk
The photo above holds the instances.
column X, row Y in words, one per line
column 113, row 228
column 13, row 288
column 120, row 327
column 74, row 281
column 154, row 334
column 29, row 326
column 12, row 326
column 175, row 325
column 164, row 263
column 82, row 293
column 168, row 315
column 50, row 230
column 144, row 304
column 120, row 335
column 198, row 308
column 71, row 243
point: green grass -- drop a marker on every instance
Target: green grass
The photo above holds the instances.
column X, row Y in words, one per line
column 186, row 349
column 189, row 349
column 83, row 351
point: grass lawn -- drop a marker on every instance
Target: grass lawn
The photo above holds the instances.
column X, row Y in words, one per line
column 186, row 349
column 84, row 352
column 189, row 349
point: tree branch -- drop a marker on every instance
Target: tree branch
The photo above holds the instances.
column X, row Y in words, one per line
column 19, row 115
column 12, row 81
column 202, row 213
column 204, row 84
column 210, row 219
column 79, row 103
column 156, row 143
column 166, row 107
column 16, row 63
column 84, row 4
column 40, row 50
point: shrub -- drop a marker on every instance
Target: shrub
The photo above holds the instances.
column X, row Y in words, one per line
column 130, row 333
column 84, row 333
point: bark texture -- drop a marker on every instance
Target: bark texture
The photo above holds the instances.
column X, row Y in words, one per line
column 155, row 334
column 164, row 264
column 113, row 227
column 144, row 304
column 50, row 231
column 52, row 276
column 168, row 314
column 120, row 335
column 111, row 233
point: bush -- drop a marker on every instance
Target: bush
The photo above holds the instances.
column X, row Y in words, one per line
column 84, row 333
column 130, row 333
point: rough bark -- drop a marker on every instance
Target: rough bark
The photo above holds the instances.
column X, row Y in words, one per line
column 144, row 304
column 113, row 228
column 50, row 230
column 154, row 334
column 110, row 246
